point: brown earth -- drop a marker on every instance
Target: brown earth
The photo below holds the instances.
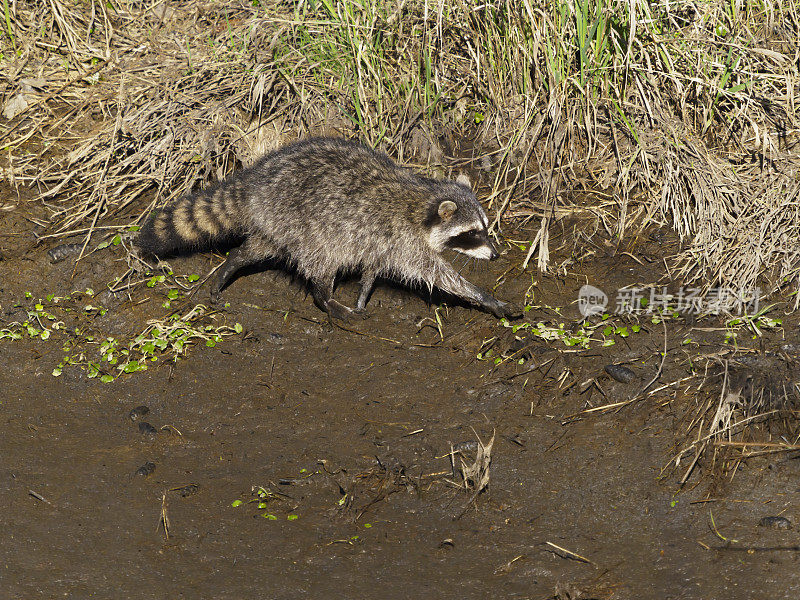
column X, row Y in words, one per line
column 351, row 433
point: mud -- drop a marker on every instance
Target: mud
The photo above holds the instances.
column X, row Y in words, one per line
column 338, row 441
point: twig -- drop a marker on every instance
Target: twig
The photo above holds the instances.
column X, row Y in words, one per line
column 570, row 553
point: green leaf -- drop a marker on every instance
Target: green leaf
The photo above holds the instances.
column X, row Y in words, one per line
column 236, row 503
column 132, row 366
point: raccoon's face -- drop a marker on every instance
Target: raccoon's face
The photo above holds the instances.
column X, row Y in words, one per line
column 458, row 222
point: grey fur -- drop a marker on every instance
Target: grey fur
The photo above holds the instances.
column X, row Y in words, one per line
column 330, row 206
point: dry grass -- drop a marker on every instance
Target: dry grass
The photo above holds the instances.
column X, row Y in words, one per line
column 685, row 112
column 745, row 405
column 162, row 112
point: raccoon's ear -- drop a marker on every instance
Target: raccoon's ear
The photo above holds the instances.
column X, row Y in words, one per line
column 463, row 179
column 446, row 209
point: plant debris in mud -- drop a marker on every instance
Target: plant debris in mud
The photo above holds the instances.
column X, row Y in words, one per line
column 748, row 405
column 745, row 401
column 68, row 321
column 475, row 476
column 363, row 492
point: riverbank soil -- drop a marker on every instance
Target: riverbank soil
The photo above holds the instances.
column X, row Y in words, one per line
column 298, row 458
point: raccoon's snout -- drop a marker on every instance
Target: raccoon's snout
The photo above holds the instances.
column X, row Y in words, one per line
column 493, row 253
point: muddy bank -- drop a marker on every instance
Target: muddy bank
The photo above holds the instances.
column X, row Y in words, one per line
column 348, row 435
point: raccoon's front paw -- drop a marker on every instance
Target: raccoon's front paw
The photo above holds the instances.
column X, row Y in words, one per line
column 506, row 310
column 214, row 296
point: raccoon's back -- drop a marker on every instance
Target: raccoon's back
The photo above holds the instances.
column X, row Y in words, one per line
column 333, row 204
column 323, row 200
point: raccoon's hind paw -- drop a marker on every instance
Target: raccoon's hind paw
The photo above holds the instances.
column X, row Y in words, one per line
column 337, row 310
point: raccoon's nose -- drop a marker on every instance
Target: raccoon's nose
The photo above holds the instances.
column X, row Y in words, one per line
column 493, row 253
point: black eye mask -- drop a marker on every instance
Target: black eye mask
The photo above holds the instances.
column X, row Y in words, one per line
column 468, row 240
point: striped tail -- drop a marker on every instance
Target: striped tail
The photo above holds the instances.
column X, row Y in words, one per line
column 195, row 221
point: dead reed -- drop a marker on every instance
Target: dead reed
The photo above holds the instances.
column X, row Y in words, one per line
column 744, row 405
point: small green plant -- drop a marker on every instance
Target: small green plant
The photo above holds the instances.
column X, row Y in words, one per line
column 9, row 28
column 756, row 323
column 107, row 358
column 264, row 498
column 603, row 331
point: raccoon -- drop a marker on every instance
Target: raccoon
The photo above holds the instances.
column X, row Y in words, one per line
column 330, row 206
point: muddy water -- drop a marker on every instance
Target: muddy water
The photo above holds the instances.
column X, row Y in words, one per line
column 349, row 433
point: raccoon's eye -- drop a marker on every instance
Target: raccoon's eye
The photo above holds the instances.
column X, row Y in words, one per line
column 472, row 238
